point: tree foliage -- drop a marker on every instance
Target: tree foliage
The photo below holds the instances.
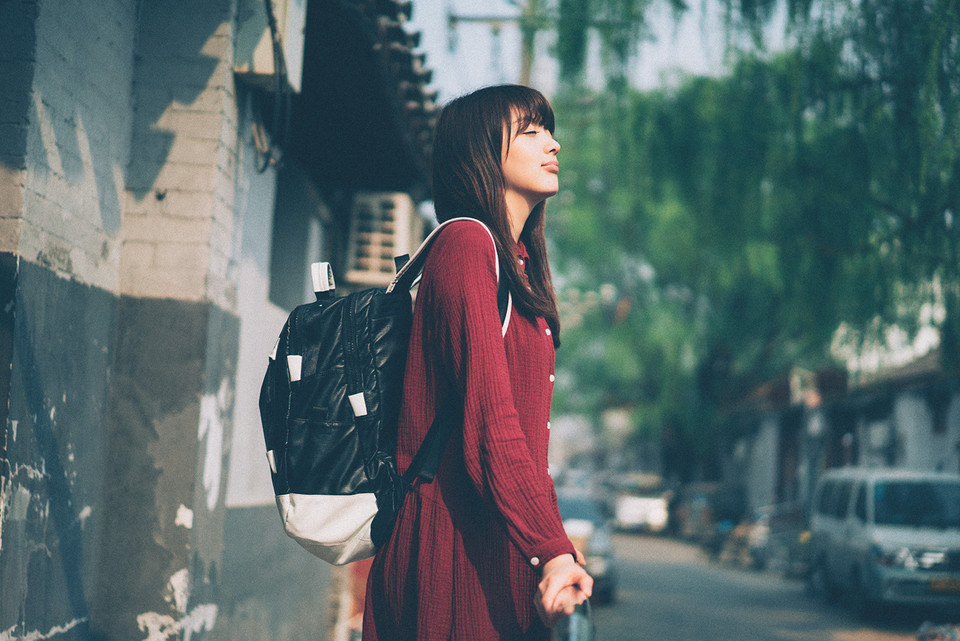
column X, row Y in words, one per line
column 713, row 235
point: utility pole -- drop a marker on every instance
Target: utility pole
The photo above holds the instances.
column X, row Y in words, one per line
column 530, row 20
column 533, row 16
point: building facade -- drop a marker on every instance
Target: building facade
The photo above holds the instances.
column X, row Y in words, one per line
column 168, row 171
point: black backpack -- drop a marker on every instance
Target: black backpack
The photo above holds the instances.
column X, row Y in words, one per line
column 329, row 405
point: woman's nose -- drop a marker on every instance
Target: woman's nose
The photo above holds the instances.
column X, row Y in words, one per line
column 553, row 146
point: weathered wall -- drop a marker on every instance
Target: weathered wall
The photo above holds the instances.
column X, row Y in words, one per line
column 135, row 235
column 161, row 554
column 172, row 393
column 78, row 137
column 64, row 117
column 56, row 448
column 271, row 587
column 118, row 320
column 179, row 228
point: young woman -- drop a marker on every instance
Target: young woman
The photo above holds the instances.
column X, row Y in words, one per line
column 480, row 553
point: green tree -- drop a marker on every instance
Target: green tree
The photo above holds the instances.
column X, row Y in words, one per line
column 711, row 236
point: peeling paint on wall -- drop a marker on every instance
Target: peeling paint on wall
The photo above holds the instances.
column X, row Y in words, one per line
column 179, row 590
column 212, row 408
column 184, row 517
column 161, row 627
column 84, row 515
column 11, row 635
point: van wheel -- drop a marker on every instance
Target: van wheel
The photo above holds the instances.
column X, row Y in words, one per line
column 818, row 582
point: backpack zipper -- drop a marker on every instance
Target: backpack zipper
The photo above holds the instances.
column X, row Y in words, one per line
column 351, row 354
column 286, row 421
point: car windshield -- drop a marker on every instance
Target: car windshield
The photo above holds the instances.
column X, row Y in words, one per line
column 917, row 503
column 579, row 508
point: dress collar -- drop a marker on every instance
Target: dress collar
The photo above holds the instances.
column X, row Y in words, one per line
column 522, row 250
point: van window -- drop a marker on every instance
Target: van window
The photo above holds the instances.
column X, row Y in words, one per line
column 917, row 503
column 860, row 508
column 841, row 499
column 823, row 500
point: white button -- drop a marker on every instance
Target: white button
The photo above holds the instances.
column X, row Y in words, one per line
column 535, row 561
column 548, row 425
column 548, row 331
column 552, row 378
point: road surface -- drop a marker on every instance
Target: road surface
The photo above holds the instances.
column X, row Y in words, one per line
column 669, row 591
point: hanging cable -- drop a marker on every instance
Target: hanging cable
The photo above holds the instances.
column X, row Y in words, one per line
column 267, row 152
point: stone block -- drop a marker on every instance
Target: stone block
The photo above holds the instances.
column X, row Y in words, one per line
column 10, row 230
column 163, row 283
column 11, row 191
column 187, row 256
column 160, row 229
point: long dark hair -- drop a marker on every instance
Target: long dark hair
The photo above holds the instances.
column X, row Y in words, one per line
column 468, row 181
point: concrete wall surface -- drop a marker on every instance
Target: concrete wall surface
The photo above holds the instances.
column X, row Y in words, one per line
column 135, row 236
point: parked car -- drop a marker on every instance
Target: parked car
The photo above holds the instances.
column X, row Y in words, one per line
column 586, row 520
column 642, row 512
column 640, row 503
column 886, row 536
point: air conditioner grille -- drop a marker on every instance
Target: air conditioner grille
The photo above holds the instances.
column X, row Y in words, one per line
column 382, row 226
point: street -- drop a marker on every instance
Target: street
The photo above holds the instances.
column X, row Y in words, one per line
column 669, row 591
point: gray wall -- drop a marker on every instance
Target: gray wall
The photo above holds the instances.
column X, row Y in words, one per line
column 134, row 273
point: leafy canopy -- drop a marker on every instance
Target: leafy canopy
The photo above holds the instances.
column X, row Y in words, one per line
column 713, row 235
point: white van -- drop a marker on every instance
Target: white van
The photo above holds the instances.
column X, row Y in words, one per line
column 886, row 536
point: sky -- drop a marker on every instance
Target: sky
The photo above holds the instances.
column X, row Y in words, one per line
column 476, row 54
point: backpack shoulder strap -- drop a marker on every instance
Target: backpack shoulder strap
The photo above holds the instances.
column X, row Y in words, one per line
column 427, row 459
column 409, row 274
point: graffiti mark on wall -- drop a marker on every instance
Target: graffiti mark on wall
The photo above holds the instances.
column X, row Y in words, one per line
column 11, row 635
column 161, row 627
column 212, row 409
column 184, row 517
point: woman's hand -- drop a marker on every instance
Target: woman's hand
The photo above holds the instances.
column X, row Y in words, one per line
column 563, row 586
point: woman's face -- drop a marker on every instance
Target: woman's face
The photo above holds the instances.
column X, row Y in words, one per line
column 530, row 168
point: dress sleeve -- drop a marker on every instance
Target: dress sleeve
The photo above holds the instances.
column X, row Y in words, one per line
column 460, row 287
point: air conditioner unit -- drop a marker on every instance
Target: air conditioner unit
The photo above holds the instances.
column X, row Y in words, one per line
column 253, row 51
column 382, row 227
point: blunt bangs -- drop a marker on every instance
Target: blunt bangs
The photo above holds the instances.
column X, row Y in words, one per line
column 533, row 108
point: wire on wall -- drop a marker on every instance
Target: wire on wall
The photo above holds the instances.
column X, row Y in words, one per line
column 267, row 153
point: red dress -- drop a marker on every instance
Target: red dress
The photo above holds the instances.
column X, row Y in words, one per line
column 462, row 562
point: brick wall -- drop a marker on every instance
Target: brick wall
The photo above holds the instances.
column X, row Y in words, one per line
column 130, row 300
column 78, row 138
column 178, row 227
column 118, row 131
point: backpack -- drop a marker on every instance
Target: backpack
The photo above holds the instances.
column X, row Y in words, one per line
column 329, row 405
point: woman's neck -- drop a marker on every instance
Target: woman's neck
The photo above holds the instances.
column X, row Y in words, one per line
column 518, row 210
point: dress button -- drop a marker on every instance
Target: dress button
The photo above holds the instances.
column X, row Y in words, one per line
column 548, row 425
column 535, row 561
column 548, row 331
column 552, row 378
